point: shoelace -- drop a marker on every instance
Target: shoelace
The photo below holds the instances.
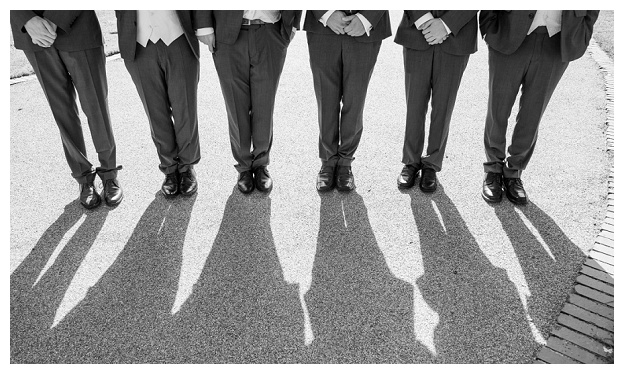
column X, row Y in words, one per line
column 108, row 182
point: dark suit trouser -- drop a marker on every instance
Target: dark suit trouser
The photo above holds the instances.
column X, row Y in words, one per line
column 249, row 71
column 61, row 74
column 341, row 69
column 537, row 67
column 166, row 78
column 433, row 74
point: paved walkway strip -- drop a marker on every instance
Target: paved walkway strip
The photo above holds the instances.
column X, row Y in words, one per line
column 584, row 329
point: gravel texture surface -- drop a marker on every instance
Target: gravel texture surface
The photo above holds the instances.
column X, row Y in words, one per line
column 376, row 275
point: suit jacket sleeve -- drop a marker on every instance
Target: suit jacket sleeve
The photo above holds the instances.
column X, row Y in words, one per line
column 414, row 15
column 318, row 13
column 373, row 16
column 456, row 19
column 589, row 20
column 201, row 19
column 487, row 18
column 62, row 18
column 577, row 27
column 297, row 21
column 21, row 17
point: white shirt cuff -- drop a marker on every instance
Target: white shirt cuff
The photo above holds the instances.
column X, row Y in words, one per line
column 426, row 17
column 448, row 31
column 367, row 25
column 204, row 31
column 326, row 17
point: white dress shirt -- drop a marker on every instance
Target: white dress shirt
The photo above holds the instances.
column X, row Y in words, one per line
column 157, row 25
column 549, row 18
column 267, row 16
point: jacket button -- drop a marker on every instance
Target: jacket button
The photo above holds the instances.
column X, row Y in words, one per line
column 531, row 15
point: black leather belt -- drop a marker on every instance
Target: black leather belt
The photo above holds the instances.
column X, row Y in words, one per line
column 247, row 22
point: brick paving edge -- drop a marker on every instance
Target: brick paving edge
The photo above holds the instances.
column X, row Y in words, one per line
column 582, row 330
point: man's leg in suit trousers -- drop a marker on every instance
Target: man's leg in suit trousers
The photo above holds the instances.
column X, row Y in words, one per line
column 88, row 71
column 182, row 81
column 268, row 49
column 59, row 91
column 544, row 72
column 358, row 63
column 149, row 78
column 447, row 74
column 326, row 65
column 418, row 67
column 505, row 76
column 232, row 64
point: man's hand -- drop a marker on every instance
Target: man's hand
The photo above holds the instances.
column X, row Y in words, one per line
column 209, row 40
column 336, row 22
column 355, row 27
column 435, row 32
column 41, row 31
column 52, row 25
column 425, row 24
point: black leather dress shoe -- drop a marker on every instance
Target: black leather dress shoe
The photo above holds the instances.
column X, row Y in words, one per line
column 262, row 179
column 492, row 187
column 245, row 182
column 428, row 180
column 344, row 179
column 325, row 180
column 408, row 176
column 515, row 191
column 188, row 182
column 89, row 198
column 171, row 185
column 113, row 194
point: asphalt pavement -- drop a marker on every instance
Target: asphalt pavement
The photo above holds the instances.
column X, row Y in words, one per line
column 375, row 275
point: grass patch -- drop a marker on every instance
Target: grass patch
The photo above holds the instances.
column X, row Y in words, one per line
column 603, row 31
column 21, row 67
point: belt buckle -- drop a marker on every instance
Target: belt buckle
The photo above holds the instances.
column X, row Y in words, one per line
column 246, row 22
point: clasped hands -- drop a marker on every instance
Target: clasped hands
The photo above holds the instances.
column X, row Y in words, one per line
column 434, row 31
column 340, row 23
column 42, row 31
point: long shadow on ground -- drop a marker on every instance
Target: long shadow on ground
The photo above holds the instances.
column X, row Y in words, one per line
column 481, row 317
column 40, row 281
column 242, row 310
column 359, row 311
column 550, row 263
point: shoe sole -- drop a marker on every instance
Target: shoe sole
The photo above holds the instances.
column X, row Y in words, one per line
column 265, row 190
column 189, row 193
column 405, row 186
column 246, row 192
column 325, row 189
column 489, row 200
column 114, row 204
column 516, row 201
column 425, row 190
column 345, row 189
column 93, row 206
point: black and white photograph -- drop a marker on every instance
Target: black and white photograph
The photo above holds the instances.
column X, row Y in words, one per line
column 311, row 186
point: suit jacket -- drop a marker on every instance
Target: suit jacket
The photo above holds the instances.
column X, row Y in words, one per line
column 379, row 19
column 227, row 23
column 77, row 30
column 190, row 20
column 462, row 23
column 504, row 31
